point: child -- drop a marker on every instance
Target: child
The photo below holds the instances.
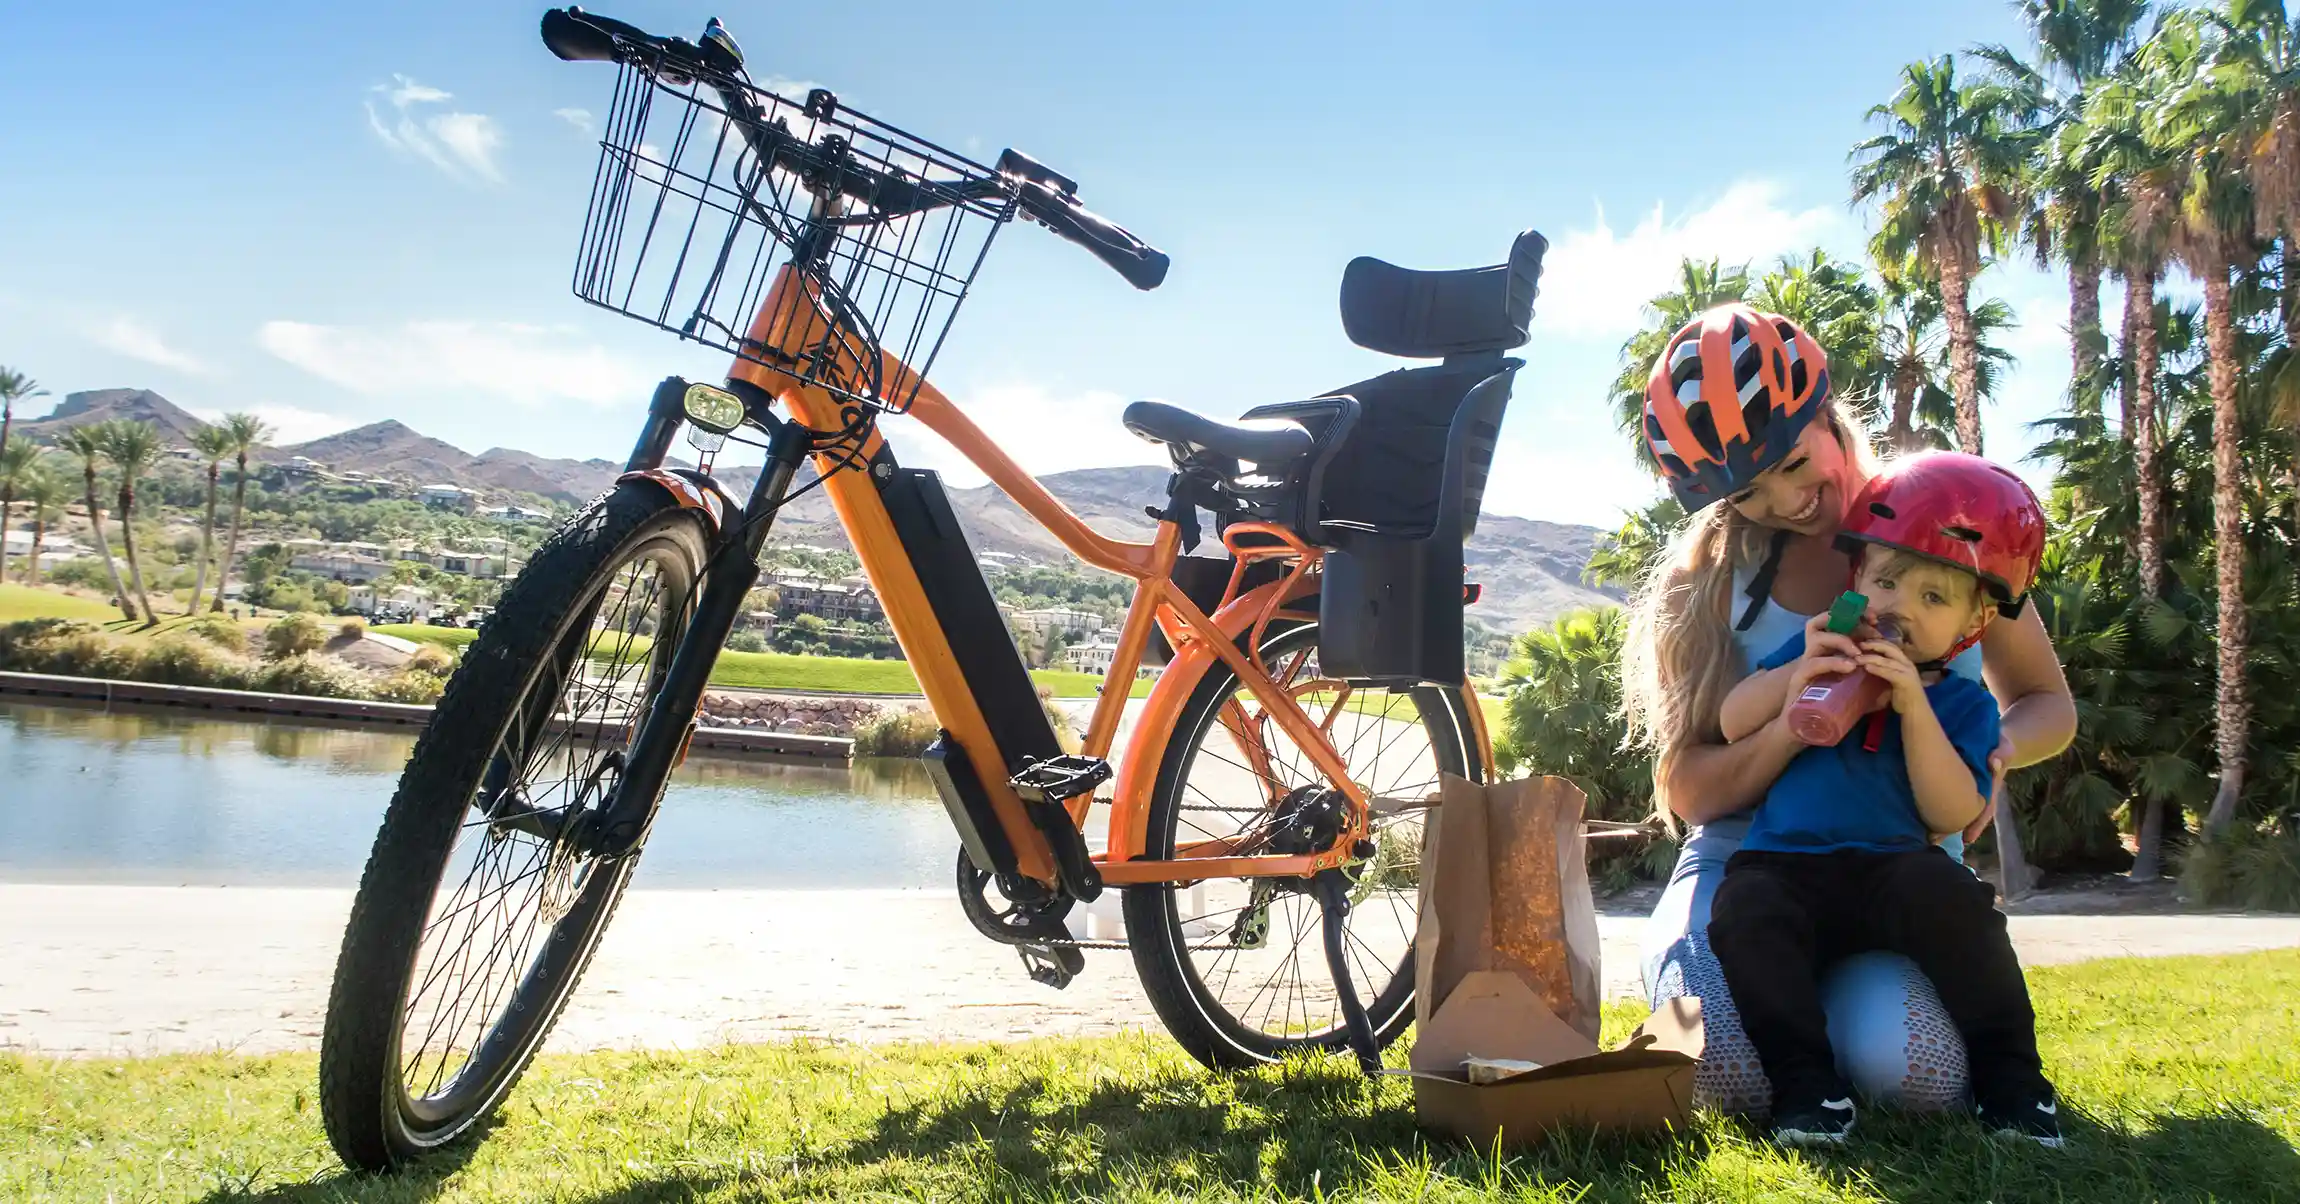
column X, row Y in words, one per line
column 1841, row 855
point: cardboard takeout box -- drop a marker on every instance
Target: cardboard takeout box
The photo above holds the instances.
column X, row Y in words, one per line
column 1506, row 962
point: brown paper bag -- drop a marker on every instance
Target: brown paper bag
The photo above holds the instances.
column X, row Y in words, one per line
column 1505, row 887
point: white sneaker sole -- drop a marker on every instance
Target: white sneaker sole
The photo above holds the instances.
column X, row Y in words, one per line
column 1808, row 1140
column 2050, row 1143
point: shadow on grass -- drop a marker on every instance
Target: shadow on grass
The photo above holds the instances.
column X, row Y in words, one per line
column 1317, row 1132
column 417, row 1183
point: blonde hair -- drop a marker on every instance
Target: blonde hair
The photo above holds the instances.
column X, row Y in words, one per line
column 1678, row 658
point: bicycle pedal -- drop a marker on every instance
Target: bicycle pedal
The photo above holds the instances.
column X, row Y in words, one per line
column 1053, row 965
column 1059, row 779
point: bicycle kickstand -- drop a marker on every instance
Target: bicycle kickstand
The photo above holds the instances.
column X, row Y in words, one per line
column 1334, row 905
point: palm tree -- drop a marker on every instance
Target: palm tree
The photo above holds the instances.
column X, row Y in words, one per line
column 1913, row 350
column 15, row 471
column 48, row 492
column 1946, row 169
column 1700, row 286
column 214, row 443
column 1837, row 304
column 2203, row 123
column 2257, row 69
column 133, row 446
column 2139, row 183
column 245, row 431
column 88, row 443
column 14, row 387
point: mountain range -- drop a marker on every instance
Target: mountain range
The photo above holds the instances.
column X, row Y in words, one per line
column 1531, row 570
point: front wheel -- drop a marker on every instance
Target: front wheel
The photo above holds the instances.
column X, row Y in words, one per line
column 1236, row 968
column 479, row 908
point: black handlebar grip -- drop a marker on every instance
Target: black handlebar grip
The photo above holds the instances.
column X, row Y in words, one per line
column 575, row 35
column 1142, row 265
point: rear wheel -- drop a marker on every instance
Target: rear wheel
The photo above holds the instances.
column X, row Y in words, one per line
column 478, row 910
column 1236, row 968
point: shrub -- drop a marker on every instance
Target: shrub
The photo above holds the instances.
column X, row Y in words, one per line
column 352, row 628
column 2244, row 867
column 896, row 733
column 218, row 630
column 181, row 660
column 746, row 641
column 70, row 649
column 431, row 659
column 292, row 635
column 315, row 676
column 411, row 685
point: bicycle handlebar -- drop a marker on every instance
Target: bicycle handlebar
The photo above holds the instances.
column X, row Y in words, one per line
column 1142, row 265
column 1049, row 199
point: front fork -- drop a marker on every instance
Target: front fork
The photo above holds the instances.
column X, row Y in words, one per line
column 727, row 579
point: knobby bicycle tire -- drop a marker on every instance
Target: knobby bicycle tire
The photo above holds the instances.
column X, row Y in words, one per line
column 370, row 1117
column 1200, row 1022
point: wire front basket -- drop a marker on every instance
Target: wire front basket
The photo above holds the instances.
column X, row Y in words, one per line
column 708, row 188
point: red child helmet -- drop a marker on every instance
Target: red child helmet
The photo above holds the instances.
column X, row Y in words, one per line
column 1960, row 510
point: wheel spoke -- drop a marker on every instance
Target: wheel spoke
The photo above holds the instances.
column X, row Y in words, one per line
column 506, row 892
column 1280, row 995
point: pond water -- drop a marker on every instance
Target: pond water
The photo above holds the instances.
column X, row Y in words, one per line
column 94, row 796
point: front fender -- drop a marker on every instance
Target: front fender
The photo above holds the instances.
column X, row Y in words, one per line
column 693, row 491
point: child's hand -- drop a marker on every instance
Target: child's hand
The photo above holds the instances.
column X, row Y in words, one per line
column 1822, row 644
column 1826, row 652
column 1885, row 659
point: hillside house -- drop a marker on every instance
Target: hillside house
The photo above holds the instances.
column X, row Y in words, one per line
column 403, row 603
column 468, row 564
column 515, row 514
column 352, row 564
column 302, row 468
column 1053, row 620
column 450, row 497
column 1096, row 654
column 849, row 601
column 55, row 549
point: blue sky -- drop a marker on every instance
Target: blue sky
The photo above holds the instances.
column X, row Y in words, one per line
column 334, row 216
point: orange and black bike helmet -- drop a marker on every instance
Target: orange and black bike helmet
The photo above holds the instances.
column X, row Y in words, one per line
column 1729, row 396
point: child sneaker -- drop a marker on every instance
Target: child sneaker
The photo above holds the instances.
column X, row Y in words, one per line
column 2036, row 1120
column 1824, row 1122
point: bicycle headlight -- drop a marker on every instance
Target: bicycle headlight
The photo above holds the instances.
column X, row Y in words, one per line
column 713, row 409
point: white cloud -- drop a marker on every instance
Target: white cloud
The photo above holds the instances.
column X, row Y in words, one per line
column 1044, row 430
column 289, row 424
column 579, row 118
column 521, row 364
column 463, row 145
column 791, row 89
column 130, row 337
column 1607, row 276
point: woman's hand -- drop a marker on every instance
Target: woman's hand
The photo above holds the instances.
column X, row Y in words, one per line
column 1999, row 762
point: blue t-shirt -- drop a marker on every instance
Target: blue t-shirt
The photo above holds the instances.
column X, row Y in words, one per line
column 1847, row 797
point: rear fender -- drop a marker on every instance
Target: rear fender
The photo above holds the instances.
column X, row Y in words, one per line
column 693, row 491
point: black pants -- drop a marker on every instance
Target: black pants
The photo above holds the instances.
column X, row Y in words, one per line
column 1779, row 918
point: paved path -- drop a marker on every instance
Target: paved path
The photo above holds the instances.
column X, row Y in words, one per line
column 88, row 970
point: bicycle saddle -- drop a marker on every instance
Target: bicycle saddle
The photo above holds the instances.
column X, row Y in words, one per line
column 1270, row 445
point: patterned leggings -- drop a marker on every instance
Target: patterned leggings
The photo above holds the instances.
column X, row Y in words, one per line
column 1906, row 1055
column 1893, row 1038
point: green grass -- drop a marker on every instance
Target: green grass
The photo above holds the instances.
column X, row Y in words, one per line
column 24, row 602
column 2179, row 1080
column 781, row 671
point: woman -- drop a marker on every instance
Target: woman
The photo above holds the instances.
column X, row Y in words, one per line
column 1764, row 459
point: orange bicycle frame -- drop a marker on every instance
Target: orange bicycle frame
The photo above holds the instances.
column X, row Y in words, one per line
column 791, row 324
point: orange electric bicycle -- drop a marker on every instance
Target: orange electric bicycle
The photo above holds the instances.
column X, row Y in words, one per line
column 1264, row 822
